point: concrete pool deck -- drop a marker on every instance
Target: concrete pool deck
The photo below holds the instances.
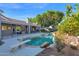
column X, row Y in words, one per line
column 26, row 51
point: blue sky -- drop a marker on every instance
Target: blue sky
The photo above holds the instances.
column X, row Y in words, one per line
column 21, row 11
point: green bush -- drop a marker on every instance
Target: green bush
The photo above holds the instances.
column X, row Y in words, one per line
column 18, row 28
column 70, row 25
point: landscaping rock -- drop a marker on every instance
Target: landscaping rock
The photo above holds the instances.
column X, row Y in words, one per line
column 44, row 45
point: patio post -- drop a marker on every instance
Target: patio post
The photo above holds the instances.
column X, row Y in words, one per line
column 29, row 29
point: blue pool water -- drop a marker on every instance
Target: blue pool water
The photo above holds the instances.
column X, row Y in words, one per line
column 37, row 41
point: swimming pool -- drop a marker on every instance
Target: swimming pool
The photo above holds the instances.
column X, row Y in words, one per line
column 38, row 41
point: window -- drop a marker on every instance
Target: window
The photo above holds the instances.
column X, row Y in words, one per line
column 9, row 27
column 4, row 27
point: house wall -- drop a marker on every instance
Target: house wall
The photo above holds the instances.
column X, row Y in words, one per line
column 38, row 28
column 22, row 27
column 7, row 32
column 33, row 29
column 25, row 29
column 11, row 32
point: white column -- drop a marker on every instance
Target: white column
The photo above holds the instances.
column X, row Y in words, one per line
column 29, row 29
column 0, row 31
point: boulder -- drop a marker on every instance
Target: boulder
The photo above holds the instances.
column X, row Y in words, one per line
column 73, row 45
column 44, row 45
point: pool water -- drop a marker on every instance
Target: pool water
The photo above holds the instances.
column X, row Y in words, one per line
column 37, row 41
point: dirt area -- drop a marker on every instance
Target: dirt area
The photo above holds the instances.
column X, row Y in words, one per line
column 49, row 52
column 66, row 51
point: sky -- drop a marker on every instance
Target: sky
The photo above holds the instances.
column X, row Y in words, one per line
column 21, row 11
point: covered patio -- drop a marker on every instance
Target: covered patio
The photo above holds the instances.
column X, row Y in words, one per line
column 9, row 26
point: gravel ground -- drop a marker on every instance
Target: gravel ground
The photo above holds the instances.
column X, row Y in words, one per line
column 67, row 51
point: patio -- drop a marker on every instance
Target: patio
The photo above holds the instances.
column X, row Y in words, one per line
column 12, row 40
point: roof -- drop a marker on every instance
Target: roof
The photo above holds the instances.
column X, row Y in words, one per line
column 5, row 19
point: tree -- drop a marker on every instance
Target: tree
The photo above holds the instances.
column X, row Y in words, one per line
column 70, row 25
column 39, row 20
column 54, row 17
column 68, row 10
column 29, row 19
column 48, row 18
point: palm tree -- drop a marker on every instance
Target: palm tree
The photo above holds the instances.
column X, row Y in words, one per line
column 69, row 10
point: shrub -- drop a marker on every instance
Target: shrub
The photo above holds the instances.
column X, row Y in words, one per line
column 70, row 25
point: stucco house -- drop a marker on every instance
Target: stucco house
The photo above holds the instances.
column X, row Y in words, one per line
column 9, row 26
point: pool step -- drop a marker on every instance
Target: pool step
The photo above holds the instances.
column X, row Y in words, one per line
column 18, row 46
